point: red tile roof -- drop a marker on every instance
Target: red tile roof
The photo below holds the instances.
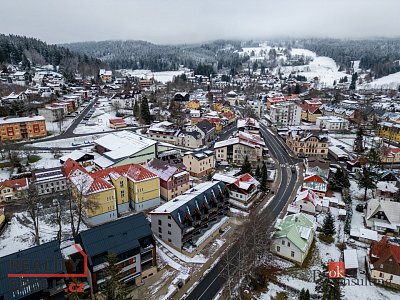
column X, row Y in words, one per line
column 15, row 184
column 139, row 173
column 117, row 121
column 381, row 252
column 70, row 166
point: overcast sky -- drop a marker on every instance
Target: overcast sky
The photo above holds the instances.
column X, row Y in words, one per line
column 186, row 21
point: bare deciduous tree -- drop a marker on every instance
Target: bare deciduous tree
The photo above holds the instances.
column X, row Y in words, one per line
column 31, row 199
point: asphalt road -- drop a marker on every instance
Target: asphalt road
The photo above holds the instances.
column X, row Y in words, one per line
column 214, row 280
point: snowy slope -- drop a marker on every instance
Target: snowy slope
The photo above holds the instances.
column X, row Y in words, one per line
column 391, row 81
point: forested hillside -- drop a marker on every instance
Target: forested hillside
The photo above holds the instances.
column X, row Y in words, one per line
column 378, row 55
column 33, row 52
column 145, row 55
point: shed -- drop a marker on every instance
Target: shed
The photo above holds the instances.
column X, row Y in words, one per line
column 351, row 262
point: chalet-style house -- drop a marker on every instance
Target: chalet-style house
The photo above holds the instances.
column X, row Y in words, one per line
column 383, row 216
column 384, row 263
column 293, row 237
column 9, row 189
column 174, row 180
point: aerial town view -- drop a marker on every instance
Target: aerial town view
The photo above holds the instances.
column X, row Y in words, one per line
column 185, row 150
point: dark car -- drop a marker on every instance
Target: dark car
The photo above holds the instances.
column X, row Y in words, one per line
column 360, row 207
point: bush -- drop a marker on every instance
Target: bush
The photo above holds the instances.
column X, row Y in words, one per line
column 326, row 238
column 34, row 158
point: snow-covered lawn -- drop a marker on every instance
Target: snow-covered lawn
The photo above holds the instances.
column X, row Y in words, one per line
column 71, row 142
column 162, row 77
column 19, row 234
column 198, row 259
column 54, row 127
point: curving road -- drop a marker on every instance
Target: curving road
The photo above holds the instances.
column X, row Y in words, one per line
column 214, row 280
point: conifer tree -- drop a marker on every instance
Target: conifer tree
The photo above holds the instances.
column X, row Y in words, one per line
column 258, row 173
column 264, row 177
column 329, row 288
column 328, row 228
column 246, row 166
column 145, row 111
column 114, row 289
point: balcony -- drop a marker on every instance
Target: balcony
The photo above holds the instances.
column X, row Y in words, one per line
column 146, row 257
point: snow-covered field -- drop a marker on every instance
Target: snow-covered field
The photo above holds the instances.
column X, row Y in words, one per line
column 162, row 77
column 391, row 81
column 18, row 235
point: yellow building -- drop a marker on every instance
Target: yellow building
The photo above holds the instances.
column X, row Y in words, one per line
column 193, row 104
column 390, row 131
column 199, row 163
column 2, row 217
column 305, row 144
column 310, row 113
column 115, row 190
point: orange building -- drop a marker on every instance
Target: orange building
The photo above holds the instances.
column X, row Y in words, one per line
column 15, row 129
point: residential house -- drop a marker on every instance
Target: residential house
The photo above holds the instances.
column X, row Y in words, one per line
column 135, row 187
column 305, row 144
column 310, row 113
column 318, row 166
column 106, row 76
column 383, row 216
column 188, row 221
column 206, row 130
column 9, row 189
column 15, row 129
column 389, row 131
column 317, row 184
column 51, row 113
column 384, row 263
column 308, row 202
column 293, row 238
column 350, row 258
column 193, row 104
column 45, row 258
column 386, row 190
column 85, row 159
column 248, row 125
column 235, row 150
column 131, row 240
column 117, row 123
column 123, row 148
column 199, row 163
column 390, row 155
column 243, row 189
column 332, row 123
column 96, row 192
column 285, row 114
column 174, row 180
column 165, row 132
column 356, row 165
column 49, row 181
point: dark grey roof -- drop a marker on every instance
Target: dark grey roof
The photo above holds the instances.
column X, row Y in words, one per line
column 116, row 237
column 205, row 126
column 208, row 198
column 43, row 259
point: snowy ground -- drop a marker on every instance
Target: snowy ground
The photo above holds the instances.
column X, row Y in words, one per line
column 323, row 253
column 162, row 77
column 18, row 235
column 391, row 81
column 71, row 142
column 54, row 127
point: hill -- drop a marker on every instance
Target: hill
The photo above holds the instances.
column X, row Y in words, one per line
column 30, row 52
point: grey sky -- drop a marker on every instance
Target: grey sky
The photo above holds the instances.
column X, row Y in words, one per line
column 186, row 21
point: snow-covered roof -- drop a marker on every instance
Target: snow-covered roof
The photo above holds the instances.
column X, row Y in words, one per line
column 350, row 259
column 23, row 119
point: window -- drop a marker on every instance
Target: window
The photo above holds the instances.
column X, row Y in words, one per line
column 169, row 232
column 169, row 240
column 292, row 254
column 381, row 275
column 288, row 244
column 121, row 184
column 278, row 249
column 169, row 217
column 159, row 229
column 283, row 242
column 122, row 193
column 159, row 222
column 160, row 236
column 169, row 224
